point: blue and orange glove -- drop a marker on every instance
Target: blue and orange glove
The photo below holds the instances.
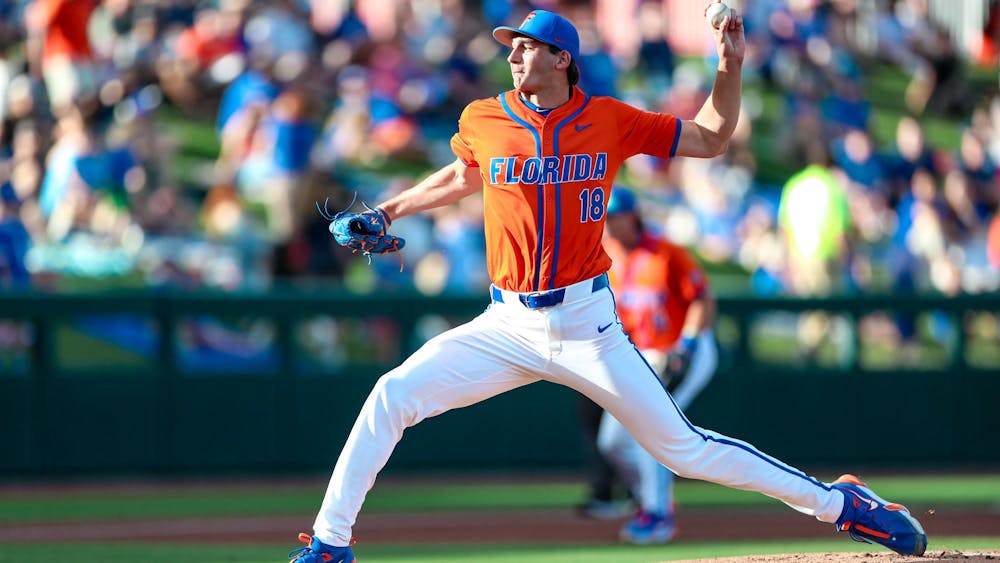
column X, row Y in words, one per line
column 365, row 232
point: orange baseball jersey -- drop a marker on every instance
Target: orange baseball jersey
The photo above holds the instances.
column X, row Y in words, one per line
column 654, row 284
column 546, row 180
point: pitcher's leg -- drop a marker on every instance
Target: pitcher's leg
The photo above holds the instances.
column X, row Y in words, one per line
column 458, row 368
column 658, row 481
column 660, row 427
column 617, row 377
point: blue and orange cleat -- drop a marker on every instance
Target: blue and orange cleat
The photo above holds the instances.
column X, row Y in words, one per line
column 870, row 519
column 646, row 528
column 319, row 552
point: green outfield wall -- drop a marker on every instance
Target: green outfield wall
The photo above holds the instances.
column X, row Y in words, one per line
column 192, row 383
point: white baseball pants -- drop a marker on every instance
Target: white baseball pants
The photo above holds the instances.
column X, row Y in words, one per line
column 651, row 483
column 508, row 346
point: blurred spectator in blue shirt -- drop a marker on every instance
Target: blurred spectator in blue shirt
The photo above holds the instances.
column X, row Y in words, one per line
column 762, row 251
column 855, row 154
column 845, row 107
column 458, row 231
column 87, row 183
column 366, row 123
column 922, row 230
column 656, row 58
column 276, row 155
column 14, row 241
column 598, row 73
column 973, row 160
column 108, row 170
column 908, row 154
column 337, row 22
column 280, row 28
column 293, row 131
column 497, row 12
column 62, row 190
column 253, row 86
column 968, row 216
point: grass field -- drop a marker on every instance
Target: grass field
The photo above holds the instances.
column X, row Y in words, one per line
column 210, row 499
column 262, row 553
column 136, row 501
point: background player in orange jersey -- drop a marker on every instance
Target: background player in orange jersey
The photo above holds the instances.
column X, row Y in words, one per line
column 665, row 306
column 545, row 155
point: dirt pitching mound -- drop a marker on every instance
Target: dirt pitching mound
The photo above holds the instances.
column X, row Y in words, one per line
column 949, row 556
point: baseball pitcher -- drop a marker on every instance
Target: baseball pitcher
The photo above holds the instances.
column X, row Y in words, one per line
column 545, row 154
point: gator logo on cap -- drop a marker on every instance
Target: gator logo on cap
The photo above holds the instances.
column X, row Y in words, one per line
column 549, row 23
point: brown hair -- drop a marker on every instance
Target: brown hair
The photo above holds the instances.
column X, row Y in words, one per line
column 573, row 72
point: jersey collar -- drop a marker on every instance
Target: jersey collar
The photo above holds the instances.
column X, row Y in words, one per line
column 514, row 102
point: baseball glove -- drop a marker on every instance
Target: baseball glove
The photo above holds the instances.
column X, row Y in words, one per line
column 365, row 232
column 678, row 364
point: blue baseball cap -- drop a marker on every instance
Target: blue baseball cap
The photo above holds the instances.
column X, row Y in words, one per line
column 621, row 201
column 546, row 27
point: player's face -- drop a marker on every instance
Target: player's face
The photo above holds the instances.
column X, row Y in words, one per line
column 532, row 65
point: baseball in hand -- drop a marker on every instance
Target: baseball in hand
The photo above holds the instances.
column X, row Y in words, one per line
column 716, row 13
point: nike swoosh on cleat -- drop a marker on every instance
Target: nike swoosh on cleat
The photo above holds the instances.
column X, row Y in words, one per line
column 582, row 127
column 603, row 328
column 872, row 505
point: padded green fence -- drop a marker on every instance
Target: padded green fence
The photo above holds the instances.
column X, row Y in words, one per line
column 200, row 383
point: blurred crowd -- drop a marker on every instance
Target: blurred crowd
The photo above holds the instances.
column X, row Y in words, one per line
column 106, row 173
column 857, row 215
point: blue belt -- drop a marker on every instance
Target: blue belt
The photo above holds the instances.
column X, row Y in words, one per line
column 540, row 300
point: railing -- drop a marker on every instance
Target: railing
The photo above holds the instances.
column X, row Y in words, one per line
column 182, row 383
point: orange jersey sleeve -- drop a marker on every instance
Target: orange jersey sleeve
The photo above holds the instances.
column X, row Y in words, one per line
column 645, row 132
column 546, row 181
column 463, row 141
